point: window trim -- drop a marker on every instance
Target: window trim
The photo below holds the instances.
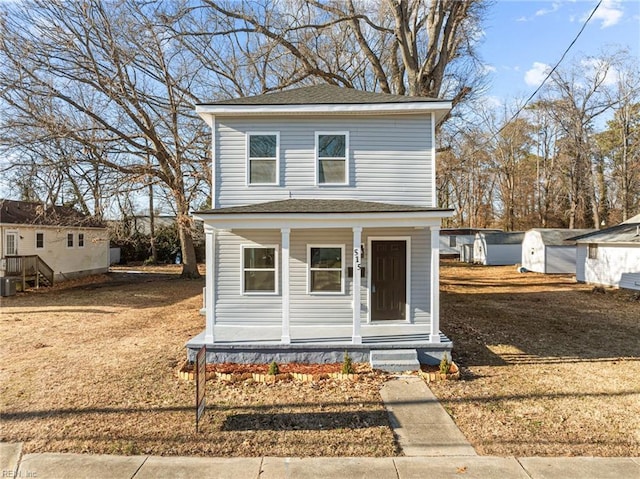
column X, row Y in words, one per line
column 83, row 242
column 70, row 234
column 16, row 235
column 592, row 251
column 248, row 159
column 342, row 270
column 275, row 269
column 346, row 157
column 36, row 239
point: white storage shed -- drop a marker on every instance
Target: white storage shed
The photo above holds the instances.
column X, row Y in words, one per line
column 546, row 250
column 498, row 248
column 610, row 257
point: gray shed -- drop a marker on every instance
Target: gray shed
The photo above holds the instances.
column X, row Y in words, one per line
column 498, row 248
column 546, row 250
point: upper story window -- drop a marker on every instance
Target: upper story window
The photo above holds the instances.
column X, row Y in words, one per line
column 259, row 269
column 69, row 240
column 332, row 153
column 80, row 240
column 39, row 240
column 263, row 158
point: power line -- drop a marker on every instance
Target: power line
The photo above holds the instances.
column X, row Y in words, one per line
column 515, row 115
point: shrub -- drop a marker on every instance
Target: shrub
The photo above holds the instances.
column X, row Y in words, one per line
column 347, row 365
column 273, row 369
column 445, row 364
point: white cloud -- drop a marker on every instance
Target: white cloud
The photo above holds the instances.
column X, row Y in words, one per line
column 486, row 68
column 610, row 12
column 536, row 75
column 555, row 6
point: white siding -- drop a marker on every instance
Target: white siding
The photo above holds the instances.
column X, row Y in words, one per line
column 611, row 263
column 390, row 159
column 480, row 250
column 308, row 309
column 318, row 308
column 232, row 307
column 66, row 262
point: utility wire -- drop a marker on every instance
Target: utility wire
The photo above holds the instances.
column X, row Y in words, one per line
column 515, row 115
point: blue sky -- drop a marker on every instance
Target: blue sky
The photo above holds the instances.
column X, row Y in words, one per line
column 523, row 38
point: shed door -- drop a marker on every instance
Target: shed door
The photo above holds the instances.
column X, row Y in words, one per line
column 388, row 280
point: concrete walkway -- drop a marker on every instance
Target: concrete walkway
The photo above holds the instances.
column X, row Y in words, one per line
column 421, row 424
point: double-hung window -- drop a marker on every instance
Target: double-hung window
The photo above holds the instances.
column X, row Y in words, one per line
column 69, row 240
column 326, row 272
column 39, row 240
column 263, row 152
column 259, row 269
column 332, row 153
column 593, row 250
column 80, row 240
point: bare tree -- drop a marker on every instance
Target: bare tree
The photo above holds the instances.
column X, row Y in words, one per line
column 109, row 77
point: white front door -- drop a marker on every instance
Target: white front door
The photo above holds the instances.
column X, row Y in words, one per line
column 11, row 243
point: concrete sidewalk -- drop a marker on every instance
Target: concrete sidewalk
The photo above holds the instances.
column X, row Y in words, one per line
column 80, row 466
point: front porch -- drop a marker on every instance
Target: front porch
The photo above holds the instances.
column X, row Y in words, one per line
column 316, row 344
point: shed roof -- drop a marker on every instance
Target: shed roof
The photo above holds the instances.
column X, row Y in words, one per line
column 559, row 236
column 505, row 237
column 322, row 95
column 33, row 213
column 311, row 206
column 627, row 232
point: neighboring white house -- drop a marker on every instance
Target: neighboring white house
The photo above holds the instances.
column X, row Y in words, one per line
column 495, row 249
column 323, row 236
column 610, row 257
column 458, row 242
column 546, row 250
column 62, row 241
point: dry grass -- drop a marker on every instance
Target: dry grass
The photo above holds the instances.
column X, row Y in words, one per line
column 93, row 369
column 552, row 368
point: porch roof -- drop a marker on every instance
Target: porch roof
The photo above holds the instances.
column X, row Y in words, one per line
column 314, row 213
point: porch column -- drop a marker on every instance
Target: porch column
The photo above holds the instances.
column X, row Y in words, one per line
column 355, row 284
column 434, row 333
column 210, row 292
column 286, row 334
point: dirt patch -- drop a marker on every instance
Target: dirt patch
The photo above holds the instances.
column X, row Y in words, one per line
column 92, row 367
column 549, row 368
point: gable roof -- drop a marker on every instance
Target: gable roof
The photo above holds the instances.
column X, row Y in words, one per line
column 33, row 213
column 559, row 236
column 627, row 232
column 505, row 237
column 324, row 99
column 466, row 231
column 314, row 206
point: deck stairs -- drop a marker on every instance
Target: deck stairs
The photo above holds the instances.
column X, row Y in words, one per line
column 395, row 360
column 29, row 269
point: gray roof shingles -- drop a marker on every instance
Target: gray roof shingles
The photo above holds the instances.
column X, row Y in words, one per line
column 322, row 95
column 311, row 206
column 30, row 213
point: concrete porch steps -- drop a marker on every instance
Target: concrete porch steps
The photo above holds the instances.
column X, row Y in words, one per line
column 394, row 360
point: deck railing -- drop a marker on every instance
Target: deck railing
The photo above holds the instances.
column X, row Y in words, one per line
column 29, row 268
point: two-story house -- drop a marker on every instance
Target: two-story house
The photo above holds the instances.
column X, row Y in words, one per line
column 323, row 236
